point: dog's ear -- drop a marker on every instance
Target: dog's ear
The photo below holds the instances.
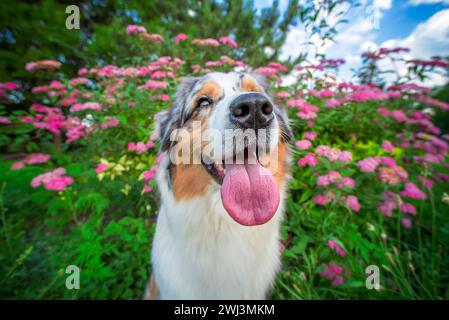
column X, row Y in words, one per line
column 171, row 119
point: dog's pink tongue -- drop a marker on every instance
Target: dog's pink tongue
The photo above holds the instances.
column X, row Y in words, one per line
column 249, row 193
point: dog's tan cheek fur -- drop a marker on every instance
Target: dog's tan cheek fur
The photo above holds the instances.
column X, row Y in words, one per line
column 249, row 85
column 191, row 180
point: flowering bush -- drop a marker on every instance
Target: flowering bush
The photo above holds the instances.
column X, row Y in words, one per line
column 368, row 180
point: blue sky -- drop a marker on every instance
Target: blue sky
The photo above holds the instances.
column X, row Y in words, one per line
column 421, row 25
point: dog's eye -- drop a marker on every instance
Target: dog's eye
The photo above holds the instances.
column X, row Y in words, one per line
column 204, row 102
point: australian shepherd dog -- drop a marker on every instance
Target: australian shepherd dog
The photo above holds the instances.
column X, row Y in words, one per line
column 223, row 181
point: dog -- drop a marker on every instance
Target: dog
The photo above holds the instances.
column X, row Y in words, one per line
column 217, row 233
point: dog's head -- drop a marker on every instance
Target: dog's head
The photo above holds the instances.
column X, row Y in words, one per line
column 224, row 131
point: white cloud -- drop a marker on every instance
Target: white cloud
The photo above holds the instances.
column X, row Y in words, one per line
column 383, row 4
column 429, row 38
column 419, row 2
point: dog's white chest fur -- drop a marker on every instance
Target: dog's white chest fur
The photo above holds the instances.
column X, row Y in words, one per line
column 199, row 252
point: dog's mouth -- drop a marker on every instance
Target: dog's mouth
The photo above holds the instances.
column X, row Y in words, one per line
column 248, row 190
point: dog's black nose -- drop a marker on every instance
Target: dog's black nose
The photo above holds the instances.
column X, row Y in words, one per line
column 252, row 110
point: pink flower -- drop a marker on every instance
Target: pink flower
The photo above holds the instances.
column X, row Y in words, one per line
column 278, row 66
column 413, row 192
column 77, row 81
column 101, row 167
column 323, row 199
column 9, row 85
column 58, row 183
column 110, row 122
column 368, row 164
column 309, row 159
column 310, row 135
column 147, row 188
column 85, row 106
column 33, row 158
column 388, row 175
column 180, row 37
column 133, row 29
column 306, row 115
column 163, row 97
column 323, row 181
column 149, row 144
column 154, row 135
column 390, row 203
column 333, row 272
column 229, row 42
column 4, row 120
column 303, row 144
column 141, row 147
column 149, row 174
column 331, row 177
column 153, row 84
column 388, row 146
column 83, row 71
column 42, row 65
column 333, row 103
column 346, row 182
column 53, row 180
column 282, row 95
column 345, row 156
column 332, row 244
column 297, row 103
column 427, row 183
column 353, row 203
column 206, row 42
column 406, row 222
column 408, row 208
column 267, row 71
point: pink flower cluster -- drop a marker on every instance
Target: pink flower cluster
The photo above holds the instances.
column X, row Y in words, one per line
column 9, row 86
column 180, row 37
column 325, row 198
column 31, row 159
column 78, row 81
column 282, row 95
column 153, row 84
column 134, row 29
column 432, row 63
column 151, row 174
column 334, row 177
column 54, row 180
column 4, row 120
column 228, row 42
column 206, row 42
column 140, row 147
column 334, row 154
column 308, row 160
column 332, row 244
column 334, row 273
column 42, row 65
column 101, row 167
column 85, row 106
column 153, row 38
column 110, row 122
column 412, row 191
column 387, row 145
column 303, row 144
